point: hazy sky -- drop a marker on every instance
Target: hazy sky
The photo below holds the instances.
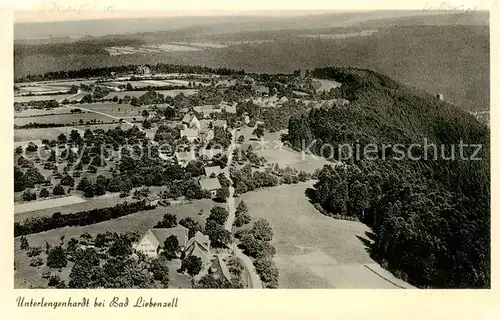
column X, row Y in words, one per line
column 48, row 10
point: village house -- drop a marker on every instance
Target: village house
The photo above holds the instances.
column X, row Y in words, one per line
column 190, row 121
column 143, row 70
column 248, row 79
column 207, row 110
column 205, row 135
column 220, row 123
column 209, row 153
column 219, row 269
column 211, row 185
column 184, row 157
column 205, row 124
column 151, row 243
column 152, row 201
column 199, row 246
column 261, row 90
column 213, row 170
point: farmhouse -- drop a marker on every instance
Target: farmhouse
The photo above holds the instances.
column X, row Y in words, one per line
column 207, row 110
column 143, row 70
column 210, row 184
column 260, row 89
column 283, row 100
column 199, row 246
column 212, row 170
column 219, row 269
column 248, row 79
column 151, row 243
column 190, row 121
column 190, row 134
column 152, row 201
column 206, row 135
column 220, row 123
column 210, row 153
column 183, row 158
column 230, row 109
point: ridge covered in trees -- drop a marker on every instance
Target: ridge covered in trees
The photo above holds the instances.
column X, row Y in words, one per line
column 430, row 217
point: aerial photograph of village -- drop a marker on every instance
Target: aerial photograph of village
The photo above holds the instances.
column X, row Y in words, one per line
column 228, row 152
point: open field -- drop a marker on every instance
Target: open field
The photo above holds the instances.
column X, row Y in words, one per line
column 57, row 97
column 46, row 204
column 364, row 33
column 274, row 152
column 107, row 200
column 326, row 85
column 40, row 112
column 114, row 109
column 171, row 93
column 65, row 119
column 26, row 135
column 312, row 250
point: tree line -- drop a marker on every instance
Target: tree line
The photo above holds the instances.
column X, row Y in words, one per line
column 83, row 218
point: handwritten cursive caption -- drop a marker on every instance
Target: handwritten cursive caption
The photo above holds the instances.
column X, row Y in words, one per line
column 95, row 302
column 78, row 8
column 448, row 7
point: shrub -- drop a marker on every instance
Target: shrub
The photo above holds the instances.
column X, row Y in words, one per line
column 36, row 262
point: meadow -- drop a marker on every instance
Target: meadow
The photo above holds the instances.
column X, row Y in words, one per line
column 71, row 119
column 313, row 250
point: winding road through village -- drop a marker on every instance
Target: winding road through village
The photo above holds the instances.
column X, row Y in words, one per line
column 255, row 282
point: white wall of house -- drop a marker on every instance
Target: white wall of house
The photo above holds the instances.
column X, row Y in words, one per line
column 146, row 247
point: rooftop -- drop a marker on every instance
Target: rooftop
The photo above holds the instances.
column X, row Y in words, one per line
column 214, row 169
column 210, row 184
column 161, row 234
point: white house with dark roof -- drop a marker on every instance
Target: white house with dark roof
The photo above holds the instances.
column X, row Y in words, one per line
column 211, row 185
column 151, row 243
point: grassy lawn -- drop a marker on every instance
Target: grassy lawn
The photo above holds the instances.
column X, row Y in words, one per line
column 47, row 203
column 312, row 250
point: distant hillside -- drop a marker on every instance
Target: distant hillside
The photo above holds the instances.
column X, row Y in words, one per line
column 197, row 26
column 430, row 212
column 452, row 60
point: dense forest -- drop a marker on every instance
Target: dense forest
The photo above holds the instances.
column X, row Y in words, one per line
column 430, row 214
